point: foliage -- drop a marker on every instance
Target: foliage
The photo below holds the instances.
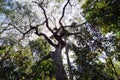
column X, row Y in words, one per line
column 40, row 47
column 41, row 70
column 6, row 6
column 87, row 52
column 103, row 14
column 15, row 64
column 22, row 65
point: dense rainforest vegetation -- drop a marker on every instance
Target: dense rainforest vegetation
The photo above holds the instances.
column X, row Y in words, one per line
column 60, row 40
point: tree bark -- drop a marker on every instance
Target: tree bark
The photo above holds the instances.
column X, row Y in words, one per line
column 58, row 64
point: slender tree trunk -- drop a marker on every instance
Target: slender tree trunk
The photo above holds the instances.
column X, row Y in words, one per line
column 59, row 68
column 69, row 64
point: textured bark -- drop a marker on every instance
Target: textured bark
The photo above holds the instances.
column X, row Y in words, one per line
column 59, row 68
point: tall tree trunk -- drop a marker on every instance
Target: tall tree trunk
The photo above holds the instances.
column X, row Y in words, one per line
column 59, row 68
column 68, row 62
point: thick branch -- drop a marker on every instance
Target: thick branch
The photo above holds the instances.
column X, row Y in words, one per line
column 50, row 55
column 71, row 26
column 49, row 41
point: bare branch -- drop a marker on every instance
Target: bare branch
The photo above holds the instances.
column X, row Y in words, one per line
column 63, row 13
column 46, row 19
column 3, row 29
column 16, row 27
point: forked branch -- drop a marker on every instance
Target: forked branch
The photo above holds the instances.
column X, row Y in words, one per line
column 44, row 12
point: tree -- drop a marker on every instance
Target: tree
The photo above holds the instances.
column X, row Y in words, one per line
column 61, row 26
column 102, row 15
column 25, row 27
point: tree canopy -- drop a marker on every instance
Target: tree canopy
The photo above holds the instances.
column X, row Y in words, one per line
column 59, row 40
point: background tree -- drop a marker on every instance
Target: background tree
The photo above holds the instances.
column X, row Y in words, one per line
column 103, row 16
